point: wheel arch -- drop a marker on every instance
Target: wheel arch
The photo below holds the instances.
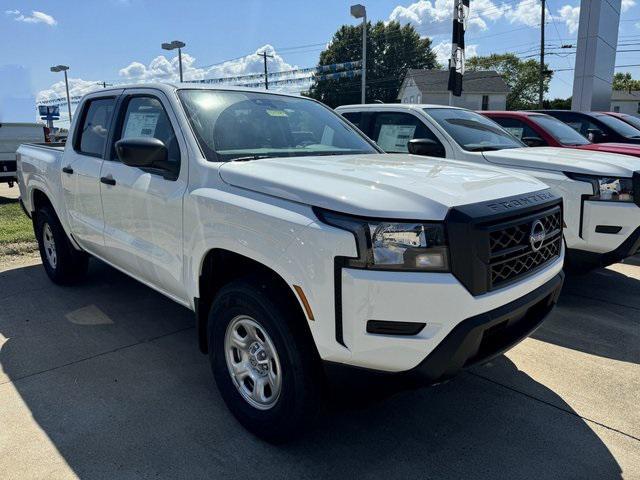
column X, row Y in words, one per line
column 219, row 267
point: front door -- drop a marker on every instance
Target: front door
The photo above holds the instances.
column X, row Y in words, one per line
column 143, row 209
column 80, row 174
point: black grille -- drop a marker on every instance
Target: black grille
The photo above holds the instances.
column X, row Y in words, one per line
column 8, row 166
column 511, row 252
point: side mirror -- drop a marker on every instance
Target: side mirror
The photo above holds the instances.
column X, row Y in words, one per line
column 142, row 152
column 534, row 142
column 595, row 136
column 426, row 147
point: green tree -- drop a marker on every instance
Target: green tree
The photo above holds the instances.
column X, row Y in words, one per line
column 625, row 82
column 522, row 76
column 558, row 104
column 391, row 50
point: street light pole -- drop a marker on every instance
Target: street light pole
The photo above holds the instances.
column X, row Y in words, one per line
column 359, row 11
column 64, row 68
column 172, row 46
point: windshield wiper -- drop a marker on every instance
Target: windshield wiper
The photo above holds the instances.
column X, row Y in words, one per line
column 484, row 149
column 249, row 158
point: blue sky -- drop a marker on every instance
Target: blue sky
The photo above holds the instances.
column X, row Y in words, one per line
column 119, row 40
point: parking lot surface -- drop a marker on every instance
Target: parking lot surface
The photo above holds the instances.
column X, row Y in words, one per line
column 104, row 380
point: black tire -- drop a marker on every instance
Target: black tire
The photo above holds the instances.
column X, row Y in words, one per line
column 299, row 398
column 70, row 265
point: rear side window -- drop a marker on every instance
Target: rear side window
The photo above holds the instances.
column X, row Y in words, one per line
column 94, row 127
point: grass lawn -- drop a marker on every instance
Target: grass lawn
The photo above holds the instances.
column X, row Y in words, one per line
column 16, row 231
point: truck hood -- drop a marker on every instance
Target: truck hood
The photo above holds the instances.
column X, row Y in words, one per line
column 566, row 160
column 378, row 185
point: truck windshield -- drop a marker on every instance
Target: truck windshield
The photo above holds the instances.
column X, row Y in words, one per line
column 562, row 132
column 472, row 131
column 619, row 126
column 236, row 125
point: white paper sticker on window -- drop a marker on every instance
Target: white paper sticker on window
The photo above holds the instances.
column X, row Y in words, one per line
column 395, row 138
column 141, row 125
column 515, row 131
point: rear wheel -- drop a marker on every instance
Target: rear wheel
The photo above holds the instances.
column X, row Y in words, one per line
column 62, row 262
column 264, row 362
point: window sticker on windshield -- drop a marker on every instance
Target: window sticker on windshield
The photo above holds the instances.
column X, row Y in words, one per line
column 141, row 125
column 395, row 137
column 276, row 113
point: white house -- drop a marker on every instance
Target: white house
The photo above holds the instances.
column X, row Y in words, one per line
column 481, row 90
column 623, row 101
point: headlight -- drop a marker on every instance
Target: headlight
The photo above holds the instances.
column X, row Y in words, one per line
column 611, row 189
column 414, row 246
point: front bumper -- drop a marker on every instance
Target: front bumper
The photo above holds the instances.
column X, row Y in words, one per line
column 439, row 300
column 629, row 247
column 480, row 338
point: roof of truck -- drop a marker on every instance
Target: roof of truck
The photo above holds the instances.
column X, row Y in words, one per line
column 168, row 87
column 408, row 106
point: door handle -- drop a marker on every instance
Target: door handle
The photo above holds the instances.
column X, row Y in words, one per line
column 108, row 180
column 68, row 170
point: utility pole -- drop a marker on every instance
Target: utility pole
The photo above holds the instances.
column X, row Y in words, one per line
column 542, row 69
column 359, row 11
column 264, row 55
column 105, row 84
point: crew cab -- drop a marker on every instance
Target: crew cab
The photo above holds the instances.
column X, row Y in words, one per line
column 600, row 190
column 294, row 239
column 541, row 130
column 11, row 136
column 597, row 127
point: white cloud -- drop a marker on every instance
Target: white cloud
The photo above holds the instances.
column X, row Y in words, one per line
column 35, row 17
column 443, row 52
column 570, row 16
column 165, row 69
column 527, row 12
column 627, row 4
column 433, row 17
column 162, row 69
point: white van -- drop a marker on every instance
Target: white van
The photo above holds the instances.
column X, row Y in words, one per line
column 11, row 136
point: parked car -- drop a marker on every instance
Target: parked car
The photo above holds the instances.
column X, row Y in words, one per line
column 597, row 127
column 11, row 136
column 625, row 117
column 541, row 130
column 294, row 239
column 602, row 207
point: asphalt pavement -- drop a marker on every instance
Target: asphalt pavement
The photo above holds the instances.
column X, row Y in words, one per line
column 104, row 380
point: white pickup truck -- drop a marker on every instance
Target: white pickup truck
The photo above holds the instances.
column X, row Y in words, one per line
column 294, row 239
column 12, row 135
column 601, row 191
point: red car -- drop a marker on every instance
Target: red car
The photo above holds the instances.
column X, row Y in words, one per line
column 540, row 130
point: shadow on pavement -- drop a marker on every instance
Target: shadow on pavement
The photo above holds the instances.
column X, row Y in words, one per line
column 136, row 399
column 599, row 314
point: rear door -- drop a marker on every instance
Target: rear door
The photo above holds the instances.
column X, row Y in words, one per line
column 143, row 209
column 81, row 164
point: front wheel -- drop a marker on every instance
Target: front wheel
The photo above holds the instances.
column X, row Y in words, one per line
column 263, row 361
column 63, row 263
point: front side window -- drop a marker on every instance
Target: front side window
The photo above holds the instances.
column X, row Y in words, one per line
column 146, row 117
column 232, row 124
column 94, row 127
column 517, row 128
column 393, row 130
column 562, row 132
column 473, row 131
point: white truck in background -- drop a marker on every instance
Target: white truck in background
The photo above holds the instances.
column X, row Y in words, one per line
column 294, row 239
column 600, row 191
column 12, row 135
